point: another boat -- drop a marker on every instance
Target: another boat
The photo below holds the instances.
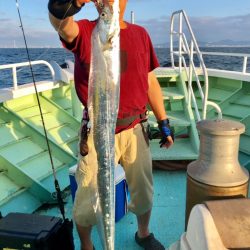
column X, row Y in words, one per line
column 191, row 92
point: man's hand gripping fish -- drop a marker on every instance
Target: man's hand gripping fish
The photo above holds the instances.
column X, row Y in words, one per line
column 103, row 102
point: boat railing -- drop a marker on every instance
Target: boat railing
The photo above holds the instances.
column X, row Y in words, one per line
column 14, row 67
column 189, row 49
column 244, row 56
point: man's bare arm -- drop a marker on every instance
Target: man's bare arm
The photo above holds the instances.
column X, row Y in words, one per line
column 156, row 103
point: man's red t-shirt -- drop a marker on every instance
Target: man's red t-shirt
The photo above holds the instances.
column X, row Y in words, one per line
column 137, row 60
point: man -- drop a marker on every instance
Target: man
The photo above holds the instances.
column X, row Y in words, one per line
column 139, row 87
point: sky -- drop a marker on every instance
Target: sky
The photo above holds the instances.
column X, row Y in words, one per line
column 211, row 20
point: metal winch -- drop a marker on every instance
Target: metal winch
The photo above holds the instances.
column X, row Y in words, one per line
column 217, row 173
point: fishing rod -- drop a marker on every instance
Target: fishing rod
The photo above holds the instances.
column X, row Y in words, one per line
column 57, row 187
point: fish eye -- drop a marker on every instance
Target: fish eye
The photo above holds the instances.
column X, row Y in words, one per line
column 103, row 15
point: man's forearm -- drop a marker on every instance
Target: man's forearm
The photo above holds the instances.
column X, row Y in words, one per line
column 66, row 28
column 155, row 98
column 56, row 23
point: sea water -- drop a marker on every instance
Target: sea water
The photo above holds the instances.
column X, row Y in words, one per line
column 59, row 55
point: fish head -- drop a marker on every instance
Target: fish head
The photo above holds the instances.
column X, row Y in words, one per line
column 108, row 22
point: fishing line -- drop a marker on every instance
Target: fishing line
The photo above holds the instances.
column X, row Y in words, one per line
column 57, row 187
column 70, row 4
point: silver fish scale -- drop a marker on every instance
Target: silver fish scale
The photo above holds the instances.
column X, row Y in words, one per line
column 103, row 102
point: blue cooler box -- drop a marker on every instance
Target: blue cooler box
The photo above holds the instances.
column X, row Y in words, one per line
column 121, row 190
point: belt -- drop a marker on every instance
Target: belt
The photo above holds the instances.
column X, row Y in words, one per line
column 128, row 120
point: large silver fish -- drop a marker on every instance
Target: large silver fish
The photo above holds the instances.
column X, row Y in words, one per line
column 103, row 102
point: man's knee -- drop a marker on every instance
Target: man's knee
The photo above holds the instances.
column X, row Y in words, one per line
column 140, row 204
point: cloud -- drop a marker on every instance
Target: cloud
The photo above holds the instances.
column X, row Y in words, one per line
column 213, row 29
column 206, row 29
column 36, row 37
column 8, row 29
column 157, row 28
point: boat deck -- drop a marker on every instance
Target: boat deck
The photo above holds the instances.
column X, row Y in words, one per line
column 20, row 124
column 168, row 214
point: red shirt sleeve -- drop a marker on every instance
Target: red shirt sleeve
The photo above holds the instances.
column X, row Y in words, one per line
column 153, row 61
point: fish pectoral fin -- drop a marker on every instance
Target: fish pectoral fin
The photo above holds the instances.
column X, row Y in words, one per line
column 110, row 40
column 112, row 36
column 107, row 46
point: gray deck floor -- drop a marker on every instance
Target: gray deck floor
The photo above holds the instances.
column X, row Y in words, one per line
column 168, row 214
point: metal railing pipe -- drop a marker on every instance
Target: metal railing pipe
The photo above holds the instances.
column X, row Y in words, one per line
column 14, row 66
column 184, row 49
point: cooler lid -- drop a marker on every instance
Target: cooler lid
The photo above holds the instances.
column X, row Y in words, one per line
column 72, row 170
column 119, row 174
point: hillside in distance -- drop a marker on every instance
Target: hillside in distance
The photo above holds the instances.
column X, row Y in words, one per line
column 222, row 43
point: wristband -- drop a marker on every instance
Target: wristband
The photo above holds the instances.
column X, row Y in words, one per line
column 62, row 9
column 165, row 131
column 164, row 127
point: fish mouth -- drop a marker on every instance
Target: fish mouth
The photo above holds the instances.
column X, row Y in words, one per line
column 100, row 5
column 101, row 2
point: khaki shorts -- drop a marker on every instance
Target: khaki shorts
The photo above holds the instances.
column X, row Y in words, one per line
column 133, row 153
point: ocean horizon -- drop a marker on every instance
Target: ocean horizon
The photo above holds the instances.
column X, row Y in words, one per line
column 154, row 45
column 59, row 55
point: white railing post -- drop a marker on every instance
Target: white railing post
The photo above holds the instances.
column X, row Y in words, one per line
column 14, row 75
column 244, row 69
column 180, row 42
column 14, row 66
column 132, row 17
column 190, row 78
column 171, row 41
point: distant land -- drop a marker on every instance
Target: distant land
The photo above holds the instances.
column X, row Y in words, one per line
column 222, row 43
